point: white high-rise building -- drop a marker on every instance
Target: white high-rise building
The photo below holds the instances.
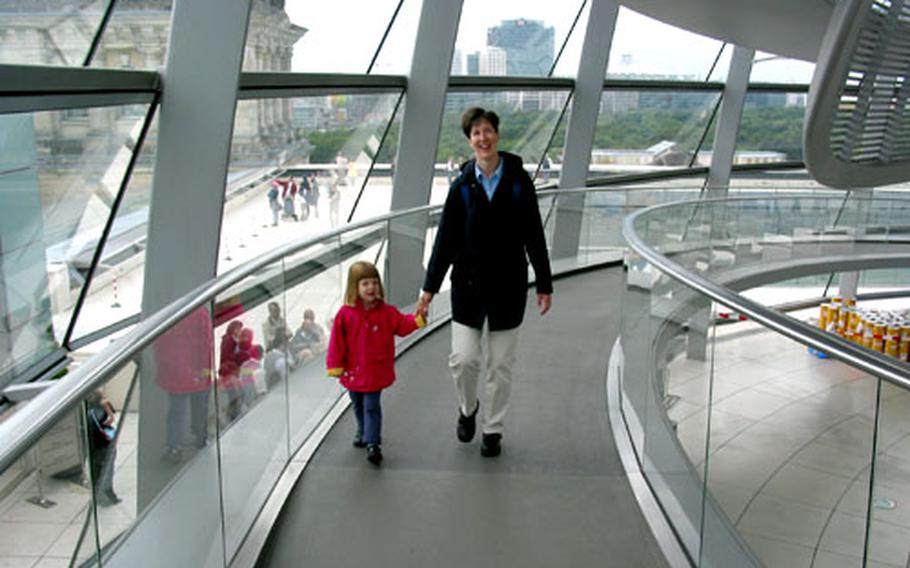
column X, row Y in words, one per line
column 492, row 61
column 457, row 63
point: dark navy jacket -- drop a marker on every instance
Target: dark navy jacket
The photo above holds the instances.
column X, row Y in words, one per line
column 488, row 245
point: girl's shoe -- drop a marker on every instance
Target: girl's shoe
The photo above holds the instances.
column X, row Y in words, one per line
column 358, row 441
column 374, row 454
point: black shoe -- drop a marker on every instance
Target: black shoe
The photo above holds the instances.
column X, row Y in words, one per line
column 358, row 441
column 467, row 425
column 490, row 446
column 374, row 454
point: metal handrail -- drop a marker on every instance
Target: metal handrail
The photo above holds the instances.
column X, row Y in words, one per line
column 25, row 427
column 864, row 359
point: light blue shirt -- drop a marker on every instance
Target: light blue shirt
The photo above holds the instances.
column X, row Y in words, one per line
column 489, row 185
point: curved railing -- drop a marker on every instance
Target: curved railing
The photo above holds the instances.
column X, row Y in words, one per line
column 769, row 441
column 204, row 498
column 199, row 450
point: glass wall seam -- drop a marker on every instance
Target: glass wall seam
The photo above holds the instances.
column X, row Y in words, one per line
column 106, row 230
column 99, row 32
column 565, row 42
column 385, row 36
column 382, row 141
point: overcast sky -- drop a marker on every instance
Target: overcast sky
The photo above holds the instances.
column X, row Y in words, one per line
column 343, row 34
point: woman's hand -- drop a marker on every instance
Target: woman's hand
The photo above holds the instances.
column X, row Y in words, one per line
column 423, row 304
column 543, row 302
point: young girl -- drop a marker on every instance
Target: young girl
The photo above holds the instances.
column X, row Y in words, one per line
column 362, row 350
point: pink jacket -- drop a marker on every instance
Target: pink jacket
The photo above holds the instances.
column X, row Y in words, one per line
column 362, row 345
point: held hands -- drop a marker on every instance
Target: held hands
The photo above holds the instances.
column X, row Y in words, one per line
column 423, row 304
column 543, row 302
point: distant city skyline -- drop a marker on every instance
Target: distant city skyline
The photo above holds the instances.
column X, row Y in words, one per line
column 641, row 45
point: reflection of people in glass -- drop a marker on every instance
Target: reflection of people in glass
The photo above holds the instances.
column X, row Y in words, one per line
column 278, row 361
column 451, row 170
column 183, row 369
column 334, row 201
column 489, row 229
column 274, row 325
column 309, row 339
column 235, row 389
column 101, row 422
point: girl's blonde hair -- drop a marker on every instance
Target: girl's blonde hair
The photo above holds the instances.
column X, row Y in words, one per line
column 357, row 272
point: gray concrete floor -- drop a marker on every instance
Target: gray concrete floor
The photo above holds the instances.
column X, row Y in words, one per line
column 557, row 496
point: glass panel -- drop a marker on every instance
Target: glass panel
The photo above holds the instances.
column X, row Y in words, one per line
column 115, row 292
column 527, row 120
column 315, row 285
column 791, row 290
column 253, row 366
column 514, row 38
column 674, row 434
column 397, row 51
column 281, row 145
column 790, row 432
column 61, row 172
column 48, row 33
column 644, row 48
column 884, row 279
column 46, row 507
column 642, row 131
column 173, row 461
column 329, row 39
column 601, row 229
column 791, row 445
column 375, row 191
column 770, row 68
column 771, row 128
column 112, row 429
column 136, row 36
column 567, row 64
column 889, row 528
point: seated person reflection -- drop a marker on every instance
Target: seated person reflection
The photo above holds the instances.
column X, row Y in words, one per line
column 308, row 340
column 274, row 325
column 278, row 361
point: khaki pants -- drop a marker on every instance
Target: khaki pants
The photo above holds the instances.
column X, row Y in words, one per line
column 465, row 362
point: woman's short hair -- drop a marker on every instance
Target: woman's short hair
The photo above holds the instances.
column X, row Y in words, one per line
column 473, row 114
column 357, row 272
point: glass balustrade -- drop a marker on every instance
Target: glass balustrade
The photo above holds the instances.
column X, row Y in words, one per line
column 760, row 450
column 209, row 415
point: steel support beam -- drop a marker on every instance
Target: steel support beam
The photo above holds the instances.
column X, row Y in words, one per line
column 592, row 68
column 417, row 146
column 194, row 140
